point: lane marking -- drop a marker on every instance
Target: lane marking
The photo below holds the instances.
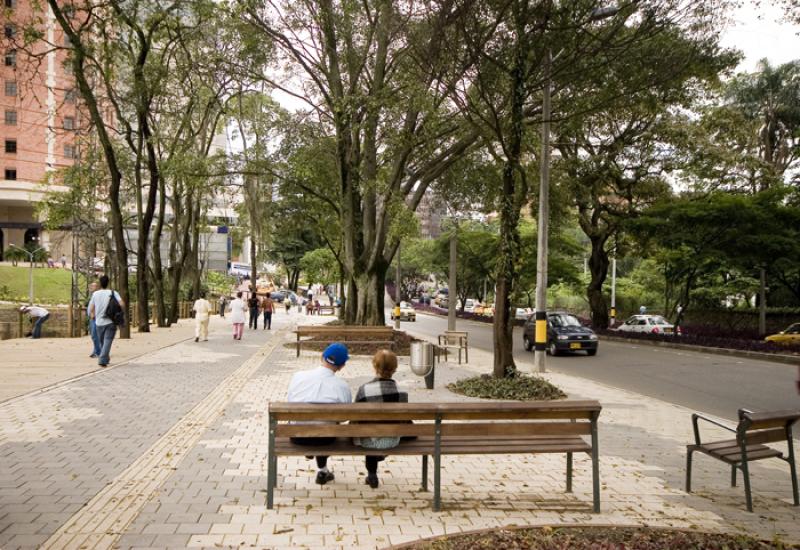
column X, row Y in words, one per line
column 107, row 515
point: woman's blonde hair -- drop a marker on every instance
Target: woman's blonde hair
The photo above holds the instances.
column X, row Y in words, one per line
column 385, row 363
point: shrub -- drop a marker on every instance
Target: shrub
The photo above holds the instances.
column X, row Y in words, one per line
column 520, row 387
column 709, row 339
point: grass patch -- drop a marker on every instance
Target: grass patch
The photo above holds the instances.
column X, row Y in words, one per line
column 520, row 387
column 51, row 286
column 593, row 538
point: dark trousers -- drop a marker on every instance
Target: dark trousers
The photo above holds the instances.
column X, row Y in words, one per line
column 37, row 326
column 268, row 320
column 322, row 461
column 253, row 317
column 372, row 463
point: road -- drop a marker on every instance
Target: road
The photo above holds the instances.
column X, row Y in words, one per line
column 715, row 384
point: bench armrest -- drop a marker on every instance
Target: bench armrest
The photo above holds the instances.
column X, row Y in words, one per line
column 698, row 416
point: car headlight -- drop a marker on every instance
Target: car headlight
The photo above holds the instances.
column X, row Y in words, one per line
column 592, row 337
column 563, row 337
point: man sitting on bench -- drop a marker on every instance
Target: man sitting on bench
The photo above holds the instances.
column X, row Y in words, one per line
column 320, row 385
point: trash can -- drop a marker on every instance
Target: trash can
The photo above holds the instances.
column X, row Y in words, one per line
column 422, row 361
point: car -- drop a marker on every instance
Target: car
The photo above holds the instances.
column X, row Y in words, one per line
column 654, row 324
column 522, row 314
column 788, row 336
column 407, row 312
column 441, row 296
column 469, row 305
column 565, row 333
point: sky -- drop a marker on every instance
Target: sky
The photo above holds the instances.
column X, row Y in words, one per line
column 760, row 33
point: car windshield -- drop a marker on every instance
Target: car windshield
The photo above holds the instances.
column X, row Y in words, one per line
column 564, row 320
column 658, row 320
column 793, row 329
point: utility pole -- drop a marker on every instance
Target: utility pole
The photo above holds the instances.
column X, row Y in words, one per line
column 614, row 288
column 451, row 291
column 540, row 350
column 31, row 255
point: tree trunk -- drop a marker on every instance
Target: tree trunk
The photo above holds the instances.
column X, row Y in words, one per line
column 253, row 268
column 598, row 267
column 762, row 302
column 158, row 268
column 370, row 302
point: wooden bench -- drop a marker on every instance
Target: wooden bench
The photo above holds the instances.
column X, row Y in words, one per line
column 383, row 336
column 753, row 430
column 439, row 429
column 326, row 310
column 455, row 340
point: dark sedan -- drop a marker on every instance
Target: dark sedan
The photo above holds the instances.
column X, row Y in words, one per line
column 564, row 334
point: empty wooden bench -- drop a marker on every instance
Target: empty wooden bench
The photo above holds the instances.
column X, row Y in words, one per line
column 753, row 430
column 383, row 336
column 440, row 429
column 455, row 340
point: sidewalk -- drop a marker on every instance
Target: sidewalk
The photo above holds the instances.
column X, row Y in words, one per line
column 191, row 470
column 28, row 365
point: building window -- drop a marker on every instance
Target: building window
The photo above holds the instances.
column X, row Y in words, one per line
column 11, row 4
column 69, row 151
column 69, row 96
column 11, row 88
column 11, row 174
column 11, row 118
column 9, row 30
column 11, row 146
column 69, row 123
column 11, row 58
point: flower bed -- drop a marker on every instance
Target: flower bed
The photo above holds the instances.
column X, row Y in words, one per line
column 706, row 339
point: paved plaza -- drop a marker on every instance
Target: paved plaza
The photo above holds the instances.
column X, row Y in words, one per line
column 169, row 451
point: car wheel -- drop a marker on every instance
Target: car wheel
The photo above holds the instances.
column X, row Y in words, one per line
column 527, row 343
column 552, row 348
column 591, row 352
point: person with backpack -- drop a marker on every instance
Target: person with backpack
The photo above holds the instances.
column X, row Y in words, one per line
column 108, row 311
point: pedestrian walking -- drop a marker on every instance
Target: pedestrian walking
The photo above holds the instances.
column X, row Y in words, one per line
column 252, row 304
column 40, row 314
column 202, row 310
column 105, row 320
column 267, row 307
column 63, row 261
column 642, row 310
column 93, row 324
column 223, row 303
column 287, row 303
column 238, row 310
column 320, row 385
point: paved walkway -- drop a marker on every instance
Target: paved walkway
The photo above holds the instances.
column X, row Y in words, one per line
column 169, row 451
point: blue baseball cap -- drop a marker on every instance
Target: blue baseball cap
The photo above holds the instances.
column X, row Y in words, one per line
column 336, row 354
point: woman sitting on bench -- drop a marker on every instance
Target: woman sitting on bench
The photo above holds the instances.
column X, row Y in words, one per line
column 382, row 389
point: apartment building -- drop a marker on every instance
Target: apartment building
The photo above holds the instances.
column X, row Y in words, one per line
column 39, row 123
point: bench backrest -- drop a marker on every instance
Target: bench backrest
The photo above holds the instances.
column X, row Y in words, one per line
column 344, row 330
column 765, row 427
column 452, row 419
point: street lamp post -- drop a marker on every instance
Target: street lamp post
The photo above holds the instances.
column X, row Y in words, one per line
column 397, row 291
column 30, row 273
column 540, row 350
column 614, row 289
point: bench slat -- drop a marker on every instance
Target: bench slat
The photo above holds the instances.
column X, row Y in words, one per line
column 771, row 419
column 353, row 430
column 517, row 428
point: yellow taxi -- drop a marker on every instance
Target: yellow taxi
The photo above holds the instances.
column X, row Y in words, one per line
column 789, row 336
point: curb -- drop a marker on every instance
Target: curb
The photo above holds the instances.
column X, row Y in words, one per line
column 774, row 358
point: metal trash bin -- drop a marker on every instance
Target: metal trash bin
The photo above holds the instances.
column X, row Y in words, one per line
column 422, row 363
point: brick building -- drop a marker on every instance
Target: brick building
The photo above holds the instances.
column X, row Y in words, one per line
column 39, row 123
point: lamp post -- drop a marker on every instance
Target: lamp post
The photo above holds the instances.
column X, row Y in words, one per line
column 397, row 291
column 540, row 349
column 30, row 273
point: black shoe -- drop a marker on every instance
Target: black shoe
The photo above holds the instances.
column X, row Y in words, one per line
column 197, row 339
column 372, row 480
column 93, row 356
column 324, row 477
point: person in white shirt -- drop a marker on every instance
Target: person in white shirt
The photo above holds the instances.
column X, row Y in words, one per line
column 106, row 329
column 202, row 310
column 238, row 309
column 320, row 385
column 40, row 314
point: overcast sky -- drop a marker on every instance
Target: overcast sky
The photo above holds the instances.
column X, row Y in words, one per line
column 760, row 33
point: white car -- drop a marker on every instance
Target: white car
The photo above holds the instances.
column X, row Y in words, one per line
column 522, row 314
column 469, row 305
column 654, row 324
column 407, row 313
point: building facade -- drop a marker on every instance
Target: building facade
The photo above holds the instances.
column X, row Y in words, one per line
column 39, row 126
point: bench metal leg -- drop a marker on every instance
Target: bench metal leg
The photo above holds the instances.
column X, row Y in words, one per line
column 595, row 466
column 437, row 468
column 466, row 354
column 689, row 452
column 569, row 472
column 792, row 466
column 733, row 475
column 272, row 465
column 746, row 476
column 425, row 473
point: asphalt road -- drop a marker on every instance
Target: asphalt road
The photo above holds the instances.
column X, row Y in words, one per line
column 715, row 384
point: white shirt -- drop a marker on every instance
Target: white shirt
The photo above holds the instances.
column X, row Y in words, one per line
column 36, row 311
column 100, row 299
column 237, row 311
column 319, row 385
column 202, row 307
